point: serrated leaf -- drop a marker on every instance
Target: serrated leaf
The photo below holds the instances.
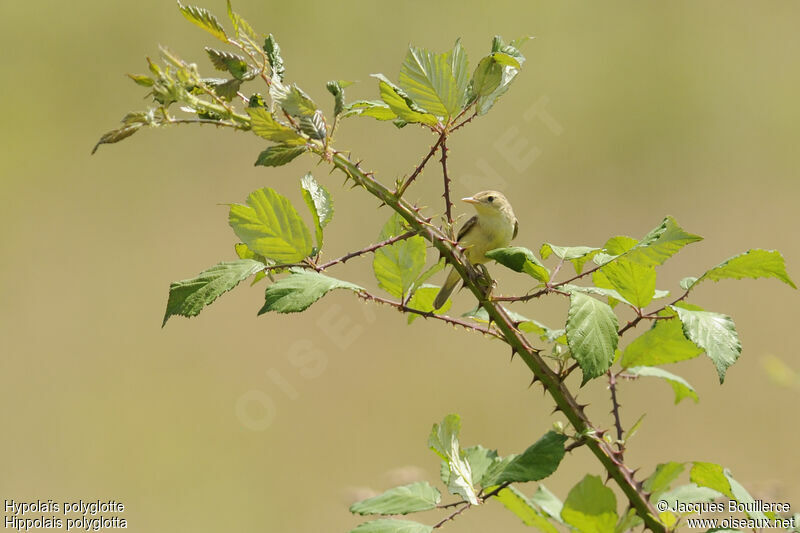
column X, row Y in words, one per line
column 548, row 502
column 398, row 265
column 689, row 493
column 443, row 440
column 270, row 226
column 401, row 104
column 665, row 342
column 753, row 264
column 635, row 282
column 714, row 333
column 628, row 521
column 240, row 25
column 274, row 57
column 422, row 300
column 619, row 244
column 459, row 64
column 228, row 62
column 337, row 90
column 390, row 525
column 520, row 259
column 419, row 496
column 314, row 125
column 679, row 385
column 591, row 334
column 591, row 507
column 741, row 495
column 508, row 74
column 297, row 291
column 577, row 255
column 279, row 155
column 486, row 78
column 265, row 126
column 368, row 108
column 661, row 243
column 662, row 478
column 710, row 475
column 297, row 103
column 479, row 459
column 188, row 297
column 226, row 89
column 204, row 19
column 537, row 462
column 517, row 503
column 243, row 252
column 527, row 325
column 428, row 79
column 319, row 202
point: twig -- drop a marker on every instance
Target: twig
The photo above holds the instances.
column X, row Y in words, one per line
column 452, row 515
column 612, row 385
column 448, row 204
column 465, row 122
column 419, row 168
column 368, row 249
column 430, row 314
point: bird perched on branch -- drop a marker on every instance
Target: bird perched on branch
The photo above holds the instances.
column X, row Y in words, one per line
column 493, row 227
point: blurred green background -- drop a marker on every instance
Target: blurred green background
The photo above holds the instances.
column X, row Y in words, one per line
column 683, row 108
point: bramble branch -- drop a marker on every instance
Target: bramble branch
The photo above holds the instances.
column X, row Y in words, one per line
column 366, row 250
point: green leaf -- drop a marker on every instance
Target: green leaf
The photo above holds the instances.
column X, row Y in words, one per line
column 319, row 202
column 401, row 104
column 225, row 89
column 710, row 475
column 517, row 503
column 270, row 226
column 661, row 243
column 428, row 79
column 314, row 125
column 368, row 108
column 750, row 264
column 487, row 77
column 664, row 343
column 274, row 57
column 548, row 502
column 444, row 441
column 577, row 255
column 336, row 88
column 591, row 334
column 297, row 103
column 204, row 19
column 619, row 245
column 390, row 525
column 520, row 259
column 419, row 496
column 662, row 478
column 680, row 386
column 635, row 282
column 422, row 300
column 279, row 155
column 140, row 79
column 229, row 62
column 188, row 297
column 398, row 265
column 527, row 325
column 459, row 64
column 508, row 73
column 714, row 333
column 537, row 462
column 240, row 25
column 297, row 291
column 591, row 507
column 115, row 136
column 628, row 521
column 689, row 493
column 264, row 125
column 425, row 276
column 479, row 459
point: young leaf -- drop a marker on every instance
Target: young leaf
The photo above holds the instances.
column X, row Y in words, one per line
column 428, row 79
column 635, row 282
column 479, row 459
column 664, row 343
column 140, row 79
column 270, row 226
column 619, row 245
column 714, row 333
column 188, row 297
column 319, row 202
column 368, row 108
column 517, row 503
column 537, row 462
column 204, row 19
column 240, row 25
column 661, row 243
column 664, row 475
column 591, row 334
column 422, row 300
column 710, row 475
column 419, row 496
column 680, row 386
column 226, row 89
column 264, row 125
column 508, row 73
column 520, row 259
column 548, row 502
column 591, row 507
column 297, row 291
column 274, row 57
column 444, row 441
column 486, row 78
column 398, row 265
column 750, row 264
column 229, row 62
column 297, row 103
column 313, row 125
column 115, row 136
column 279, row 155
column 390, row 525
column 336, row 88
column 401, row 104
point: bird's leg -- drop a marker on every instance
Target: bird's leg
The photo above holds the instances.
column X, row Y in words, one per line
column 486, row 280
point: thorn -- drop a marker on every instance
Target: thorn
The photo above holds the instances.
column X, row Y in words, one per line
column 555, row 410
column 513, row 351
column 608, row 477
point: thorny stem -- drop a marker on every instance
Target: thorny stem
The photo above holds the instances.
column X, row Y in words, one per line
column 366, row 250
column 422, row 164
column 448, row 204
column 452, row 515
column 612, row 385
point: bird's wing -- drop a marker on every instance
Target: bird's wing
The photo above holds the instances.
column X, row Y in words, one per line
column 468, row 225
column 516, row 229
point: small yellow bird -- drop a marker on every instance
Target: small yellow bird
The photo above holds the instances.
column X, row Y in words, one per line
column 493, row 227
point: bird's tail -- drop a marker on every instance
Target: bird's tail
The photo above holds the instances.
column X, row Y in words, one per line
column 447, row 289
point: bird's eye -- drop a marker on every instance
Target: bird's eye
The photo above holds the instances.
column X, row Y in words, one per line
column 491, row 199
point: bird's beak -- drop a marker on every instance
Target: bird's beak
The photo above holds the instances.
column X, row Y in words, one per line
column 470, row 200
